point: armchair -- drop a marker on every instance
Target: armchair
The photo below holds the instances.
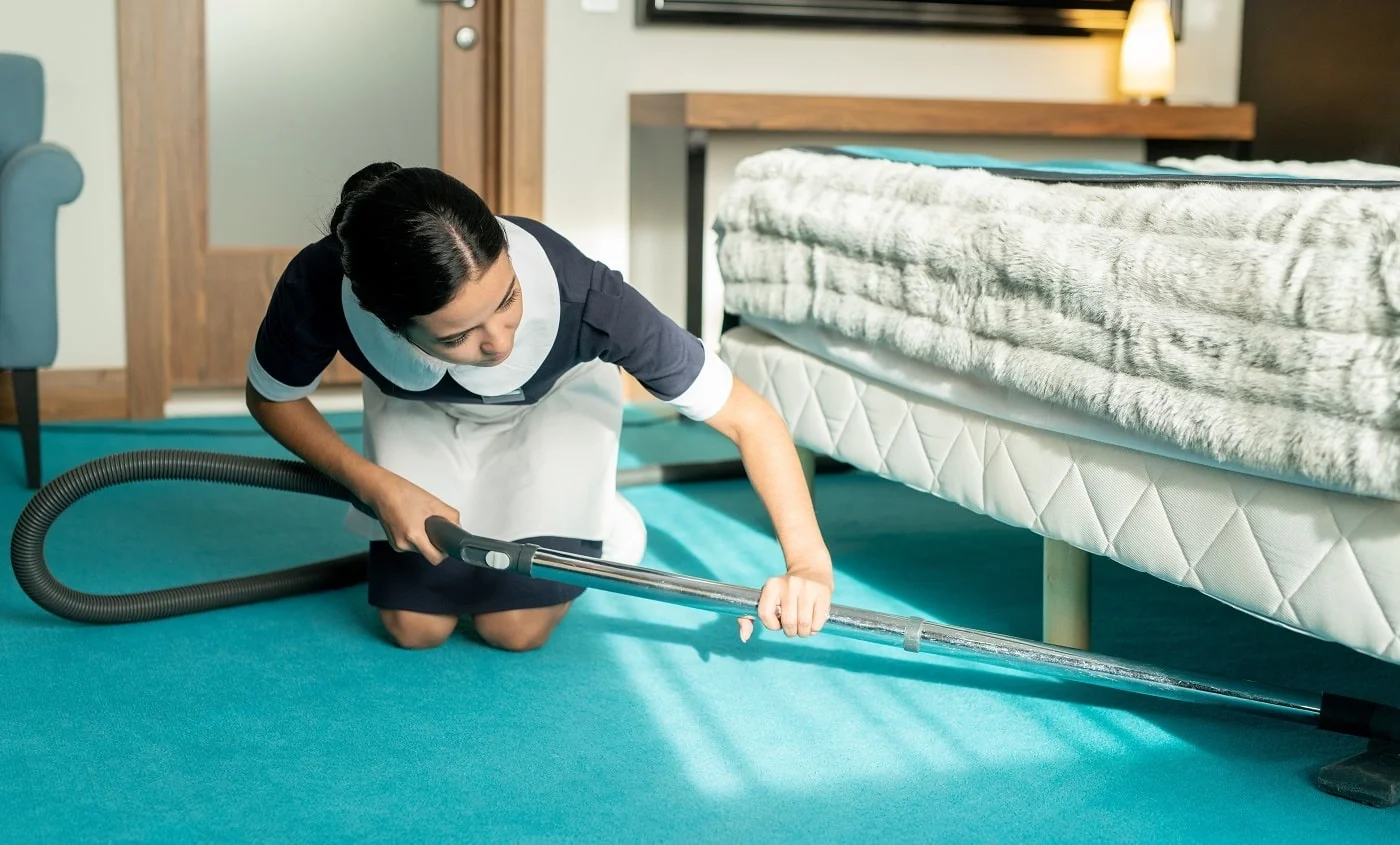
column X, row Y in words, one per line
column 35, row 180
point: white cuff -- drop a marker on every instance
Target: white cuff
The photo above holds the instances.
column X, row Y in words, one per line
column 708, row 393
column 273, row 390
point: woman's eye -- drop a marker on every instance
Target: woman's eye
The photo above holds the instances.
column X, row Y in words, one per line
column 510, row 300
column 456, row 341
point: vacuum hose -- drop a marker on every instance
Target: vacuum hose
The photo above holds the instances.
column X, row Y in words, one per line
column 32, row 571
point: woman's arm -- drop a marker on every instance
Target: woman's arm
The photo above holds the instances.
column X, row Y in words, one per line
column 628, row 330
column 770, row 458
column 301, row 428
column 402, row 507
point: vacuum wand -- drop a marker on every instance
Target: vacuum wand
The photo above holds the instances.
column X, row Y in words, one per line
column 1328, row 712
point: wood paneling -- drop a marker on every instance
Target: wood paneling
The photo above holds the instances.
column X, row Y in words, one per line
column 492, row 104
column 216, row 341
column 72, row 395
column 464, row 137
column 790, row 113
column 188, row 189
column 215, row 333
column 162, row 121
column 659, row 109
column 521, row 142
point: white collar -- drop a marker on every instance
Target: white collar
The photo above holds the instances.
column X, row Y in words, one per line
column 411, row 368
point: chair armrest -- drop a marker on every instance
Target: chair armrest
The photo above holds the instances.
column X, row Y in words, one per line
column 34, row 182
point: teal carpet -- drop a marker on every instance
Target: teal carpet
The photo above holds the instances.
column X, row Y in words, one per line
column 296, row 721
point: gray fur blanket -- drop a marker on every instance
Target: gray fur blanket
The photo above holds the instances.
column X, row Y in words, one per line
column 1254, row 325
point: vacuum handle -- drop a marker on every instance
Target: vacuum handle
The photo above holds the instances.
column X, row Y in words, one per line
column 455, row 541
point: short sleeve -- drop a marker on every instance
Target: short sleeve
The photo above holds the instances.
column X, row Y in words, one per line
column 670, row 362
column 294, row 344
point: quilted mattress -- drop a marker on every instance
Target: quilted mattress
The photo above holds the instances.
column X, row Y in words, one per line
column 1320, row 562
column 994, row 400
column 1253, row 319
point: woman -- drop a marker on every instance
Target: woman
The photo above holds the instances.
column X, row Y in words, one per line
column 490, row 348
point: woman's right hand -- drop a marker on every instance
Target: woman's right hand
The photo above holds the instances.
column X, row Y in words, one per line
column 403, row 509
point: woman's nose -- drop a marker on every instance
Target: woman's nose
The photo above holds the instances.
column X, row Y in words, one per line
column 495, row 337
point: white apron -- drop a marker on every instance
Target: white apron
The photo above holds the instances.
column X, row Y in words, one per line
column 514, row 471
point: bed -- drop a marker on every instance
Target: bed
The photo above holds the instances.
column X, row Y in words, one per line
column 1189, row 368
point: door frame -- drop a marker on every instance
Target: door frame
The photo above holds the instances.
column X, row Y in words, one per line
column 165, row 168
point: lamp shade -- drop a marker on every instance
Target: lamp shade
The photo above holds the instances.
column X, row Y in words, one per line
column 1147, row 62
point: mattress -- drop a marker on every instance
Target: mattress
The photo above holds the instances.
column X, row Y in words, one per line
column 1252, row 318
column 1319, row 562
column 999, row 402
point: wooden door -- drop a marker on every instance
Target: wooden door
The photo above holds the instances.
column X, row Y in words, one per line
column 196, row 293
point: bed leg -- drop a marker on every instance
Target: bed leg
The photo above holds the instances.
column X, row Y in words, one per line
column 1066, row 595
column 808, row 459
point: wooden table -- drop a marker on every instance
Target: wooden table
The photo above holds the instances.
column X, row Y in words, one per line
column 682, row 124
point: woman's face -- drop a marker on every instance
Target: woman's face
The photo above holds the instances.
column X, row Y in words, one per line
column 478, row 326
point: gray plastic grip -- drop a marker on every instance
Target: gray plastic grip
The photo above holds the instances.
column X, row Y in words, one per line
column 485, row 552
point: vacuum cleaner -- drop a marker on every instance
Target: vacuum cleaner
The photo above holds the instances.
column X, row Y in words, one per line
column 1372, row 777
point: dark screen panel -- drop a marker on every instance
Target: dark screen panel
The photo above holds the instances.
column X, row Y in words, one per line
column 1058, row 17
column 1324, row 77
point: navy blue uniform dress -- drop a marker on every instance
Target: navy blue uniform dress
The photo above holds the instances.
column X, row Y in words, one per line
column 525, row 450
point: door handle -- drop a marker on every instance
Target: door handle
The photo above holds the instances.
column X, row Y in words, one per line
column 465, row 37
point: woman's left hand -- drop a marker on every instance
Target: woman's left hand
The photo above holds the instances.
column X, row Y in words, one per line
column 798, row 602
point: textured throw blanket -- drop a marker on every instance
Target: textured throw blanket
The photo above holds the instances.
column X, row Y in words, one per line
column 1256, row 325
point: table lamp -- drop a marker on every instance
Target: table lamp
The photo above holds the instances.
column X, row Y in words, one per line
column 1147, row 59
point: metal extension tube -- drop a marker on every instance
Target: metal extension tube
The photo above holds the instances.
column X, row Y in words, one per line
column 1329, row 712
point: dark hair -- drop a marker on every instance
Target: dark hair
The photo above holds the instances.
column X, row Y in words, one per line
column 410, row 237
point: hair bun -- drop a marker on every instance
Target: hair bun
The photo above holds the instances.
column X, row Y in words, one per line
column 359, row 182
column 364, row 178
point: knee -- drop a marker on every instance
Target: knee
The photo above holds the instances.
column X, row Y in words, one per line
column 417, row 630
column 516, row 639
column 515, row 632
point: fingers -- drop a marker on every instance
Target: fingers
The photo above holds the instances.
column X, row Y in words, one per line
column 416, row 542
column 426, row 548
column 795, row 605
column 412, row 535
column 806, row 609
column 790, row 607
column 768, row 601
column 399, row 541
column 822, row 612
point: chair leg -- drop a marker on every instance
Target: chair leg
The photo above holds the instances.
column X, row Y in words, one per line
column 26, row 384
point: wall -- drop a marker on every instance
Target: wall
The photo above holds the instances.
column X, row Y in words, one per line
column 593, row 61
column 77, row 42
